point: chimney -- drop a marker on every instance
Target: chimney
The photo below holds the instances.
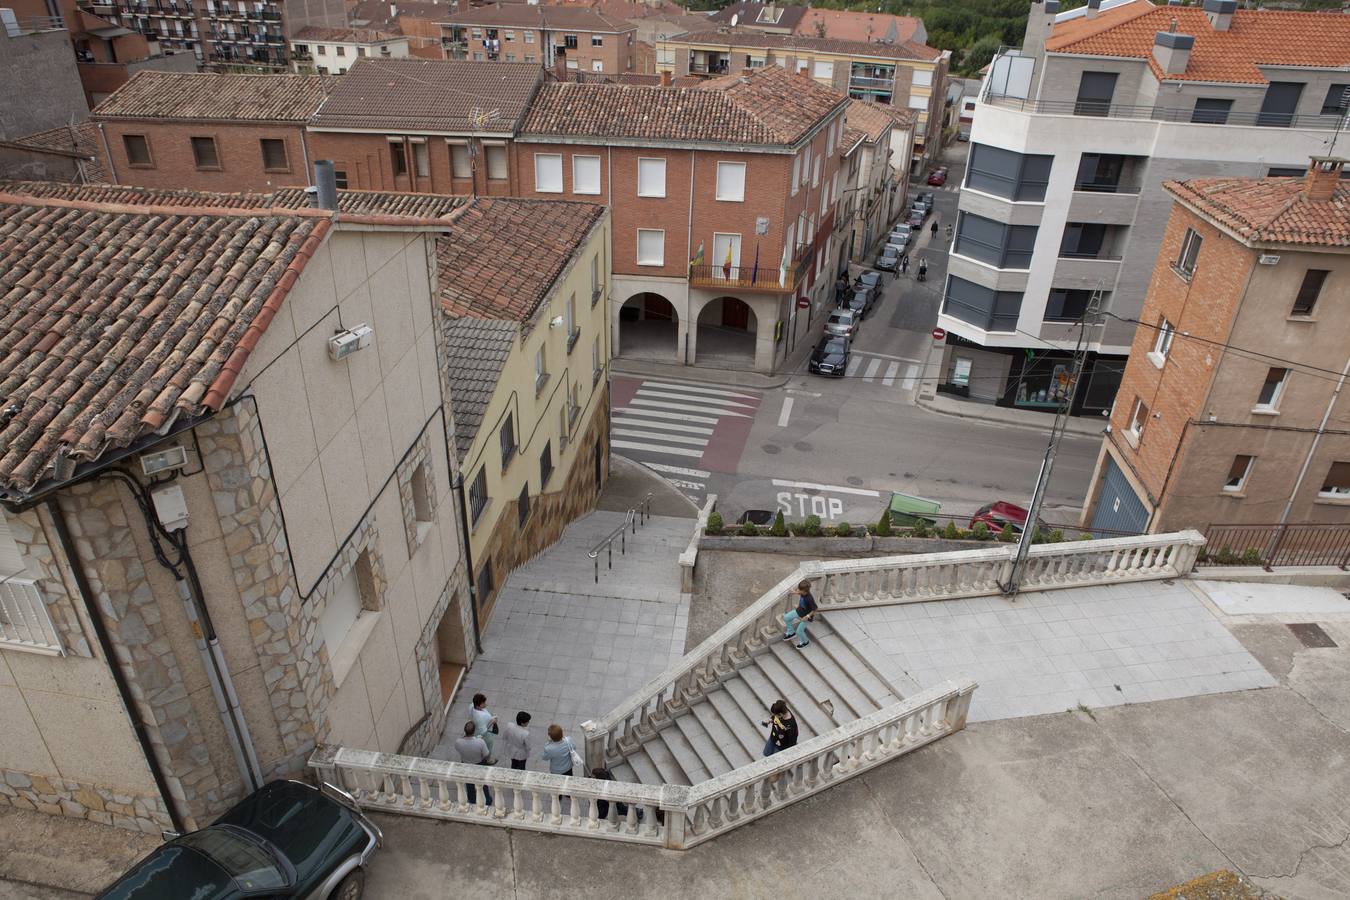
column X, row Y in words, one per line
column 665, row 79
column 393, row 10
column 1220, row 13
column 1040, row 23
column 325, row 185
column 1172, row 50
column 462, row 6
column 1324, row 176
column 560, row 66
column 1093, row 7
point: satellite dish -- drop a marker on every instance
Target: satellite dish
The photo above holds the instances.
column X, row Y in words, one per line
column 735, row 17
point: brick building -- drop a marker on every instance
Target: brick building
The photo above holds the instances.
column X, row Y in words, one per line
column 210, row 132
column 562, row 37
column 323, row 50
column 723, row 199
column 1230, row 409
column 417, row 20
column 441, row 126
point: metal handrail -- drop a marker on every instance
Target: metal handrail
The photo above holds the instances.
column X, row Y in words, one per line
column 1108, row 110
column 636, row 515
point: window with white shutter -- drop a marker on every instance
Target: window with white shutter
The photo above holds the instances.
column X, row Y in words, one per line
column 585, row 174
column 651, row 247
column 651, row 177
column 731, row 181
column 548, row 173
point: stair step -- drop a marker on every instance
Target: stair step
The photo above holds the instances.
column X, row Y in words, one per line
column 670, row 753
column 790, row 683
column 709, row 752
column 624, row 772
column 724, row 733
column 756, row 710
column 823, row 680
column 851, row 695
column 639, row 769
column 847, row 658
column 770, row 681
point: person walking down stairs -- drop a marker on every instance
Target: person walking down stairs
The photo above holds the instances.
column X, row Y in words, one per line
column 795, row 620
column 782, row 729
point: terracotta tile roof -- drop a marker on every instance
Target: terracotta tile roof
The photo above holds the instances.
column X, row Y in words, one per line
column 379, row 14
column 324, row 33
column 500, row 256
column 358, row 203
column 476, row 351
column 748, row 37
column 81, row 139
column 114, row 319
column 770, row 106
column 531, row 15
column 865, row 121
column 429, row 95
column 1255, row 38
column 748, row 11
column 849, row 25
column 1269, row 210
column 194, row 95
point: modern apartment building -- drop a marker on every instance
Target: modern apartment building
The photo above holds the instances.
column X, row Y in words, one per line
column 1070, row 144
column 323, row 50
column 1232, row 408
column 906, row 75
column 562, row 37
column 723, row 200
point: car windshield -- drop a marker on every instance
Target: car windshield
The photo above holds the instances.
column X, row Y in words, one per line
column 249, row 863
column 836, row 345
column 869, row 277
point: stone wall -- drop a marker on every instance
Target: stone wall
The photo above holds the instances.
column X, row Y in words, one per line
column 80, row 800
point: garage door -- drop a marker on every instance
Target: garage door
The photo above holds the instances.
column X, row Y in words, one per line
column 1118, row 509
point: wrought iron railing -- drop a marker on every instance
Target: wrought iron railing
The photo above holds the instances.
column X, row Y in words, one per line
column 763, row 277
column 1277, row 545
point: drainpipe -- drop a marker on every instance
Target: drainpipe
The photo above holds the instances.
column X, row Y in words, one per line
column 1317, row 438
column 107, row 154
column 115, row 667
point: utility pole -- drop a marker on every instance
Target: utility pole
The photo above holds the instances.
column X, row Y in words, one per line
column 1090, row 316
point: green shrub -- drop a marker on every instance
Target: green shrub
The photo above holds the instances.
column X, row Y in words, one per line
column 980, row 532
column 1056, row 536
column 779, row 528
column 715, row 524
column 884, row 525
column 951, row 532
column 843, row 529
column 1085, row 536
column 1005, row 534
column 748, row 529
column 811, row 527
column 921, row 529
column 1251, row 558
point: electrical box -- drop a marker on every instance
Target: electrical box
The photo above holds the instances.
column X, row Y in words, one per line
column 170, row 507
column 347, row 342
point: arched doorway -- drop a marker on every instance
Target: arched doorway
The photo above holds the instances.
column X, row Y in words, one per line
column 649, row 328
column 726, row 332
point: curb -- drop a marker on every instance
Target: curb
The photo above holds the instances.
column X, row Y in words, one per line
column 704, row 374
column 1008, row 423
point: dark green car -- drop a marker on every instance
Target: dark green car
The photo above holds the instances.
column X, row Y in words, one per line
column 285, row 840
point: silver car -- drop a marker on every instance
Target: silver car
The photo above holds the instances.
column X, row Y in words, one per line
column 843, row 322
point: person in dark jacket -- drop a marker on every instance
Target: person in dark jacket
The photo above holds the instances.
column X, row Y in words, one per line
column 794, row 620
column 782, row 729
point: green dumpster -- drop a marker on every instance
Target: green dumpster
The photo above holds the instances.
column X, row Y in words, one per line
column 906, row 509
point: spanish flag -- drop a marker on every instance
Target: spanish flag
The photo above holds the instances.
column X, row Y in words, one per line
column 726, row 265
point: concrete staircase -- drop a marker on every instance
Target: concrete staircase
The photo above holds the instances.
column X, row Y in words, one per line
column 826, row 685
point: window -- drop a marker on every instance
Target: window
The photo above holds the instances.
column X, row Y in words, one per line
column 651, row 247
column 508, row 35
column 665, row 56
column 1006, row 174
column 548, row 177
column 796, row 174
column 1001, row 246
column 545, row 464
column 507, row 436
column 1211, row 110
column 1190, row 250
column 570, row 320
column 597, row 41
column 523, row 504
column 815, row 173
column 1066, row 305
column 570, row 41
column 982, row 307
column 829, row 140
column 497, row 169
column 597, row 65
column 823, row 69
column 323, row 51
column 529, row 36
column 562, row 429
column 1280, row 104
column 1095, row 90
column 585, row 174
column 921, row 77
column 398, row 155
column 731, row 181
column 1138, row 419
column 360, row 51
column 421, row 499
column 340, row 613
column 1336, row 486
column 595, row 360
column 1271, row 389
column 1308, row 292
column 1163, row 342
column 478, row 494
column 138, row 151
column 529, row 57
column 1237, row 473
column 340, row 178
column 651, row 177
column 460, row 167
column 204, row 153
column 510, row 57
column 341, row 50
column 1083, row 240
column 274, row 155
column 1335, row 103
column 595, row 278
column 540, row 368
column 1101, row 173
column 917, row 101
column 421, row 159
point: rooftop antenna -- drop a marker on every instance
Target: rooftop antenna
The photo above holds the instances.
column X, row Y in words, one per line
column 735, row 18
column 477, row 119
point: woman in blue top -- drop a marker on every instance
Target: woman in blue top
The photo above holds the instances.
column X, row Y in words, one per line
column 794, row 620
column 558, row 751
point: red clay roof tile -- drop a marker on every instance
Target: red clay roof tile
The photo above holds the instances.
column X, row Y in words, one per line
column 1269, row 210
column 203, row 95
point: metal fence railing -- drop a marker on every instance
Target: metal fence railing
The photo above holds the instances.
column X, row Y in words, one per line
column 1277, row 545
column 1099, row 109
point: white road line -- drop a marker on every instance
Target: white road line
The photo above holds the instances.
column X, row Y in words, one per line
column 891, row 370
column 699, row 389
column 803, row 393
column 911, row 375
column 630, row 421
column 662, row 404
column 655, row 436
column 691, row 485
column 676, row 470
column 709, row 402
column 831, row 488
column 672, row 451
column 854, row 362
column 871, row 369
column 674, row 417
column 786, row 413
column 885, row 356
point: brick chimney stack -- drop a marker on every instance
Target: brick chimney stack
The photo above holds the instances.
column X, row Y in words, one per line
column 1324, row 175
column 665, row 79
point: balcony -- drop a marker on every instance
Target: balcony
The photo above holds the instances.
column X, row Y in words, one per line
column 1086, row 273
column 572, row 337
column 1158, row 113
column 1106, row 208
column 744, row 278
column 871, row 85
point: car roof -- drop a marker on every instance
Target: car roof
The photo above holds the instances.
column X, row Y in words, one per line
column 1008, row 510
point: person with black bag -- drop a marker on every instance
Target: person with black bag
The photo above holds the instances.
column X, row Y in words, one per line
column 782, row 729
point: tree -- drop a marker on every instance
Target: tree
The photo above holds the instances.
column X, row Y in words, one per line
column 980, row 53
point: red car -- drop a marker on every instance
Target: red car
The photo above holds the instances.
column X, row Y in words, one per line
column 999, row 513
column 938, row 177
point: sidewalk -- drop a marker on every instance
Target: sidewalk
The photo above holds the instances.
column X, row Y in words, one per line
column 644, row 368
column 1086, row 426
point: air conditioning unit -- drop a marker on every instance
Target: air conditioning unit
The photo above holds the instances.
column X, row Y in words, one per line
column 1268, row 259
column 345, row 343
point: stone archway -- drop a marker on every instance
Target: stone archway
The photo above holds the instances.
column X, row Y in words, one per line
column 727, row 328
column 649, row 327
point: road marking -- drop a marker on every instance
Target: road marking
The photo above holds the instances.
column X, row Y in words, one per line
column 655, row 436
column 689, row 388
column 854, row 362
column 630, row 421
column 803, row 393
column 663, row 404
column 872, row 369
column 889, row 379
column 691, row 485
column 786, row 413
column 911, row 375
column 676, row 470
column 832, row 488
column 674, row 417
column 711, row 403
column 885, row 356
column 655, row 448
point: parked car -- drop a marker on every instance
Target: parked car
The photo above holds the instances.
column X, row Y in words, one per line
column 286, row 839
column 870, row 279
column 830, row 356
column 842, row 322
column 923, row 202
column 938, row 177
column 889, row 261
column 896, row 248
column 999, row 513
column 861, row 301
column 915, row 219
column 927, row 197
column 902, row 229
column 963, row 136
column 758, row 516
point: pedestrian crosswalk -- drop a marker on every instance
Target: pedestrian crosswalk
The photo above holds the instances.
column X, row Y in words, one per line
column 681, row 430
column 888, row 371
